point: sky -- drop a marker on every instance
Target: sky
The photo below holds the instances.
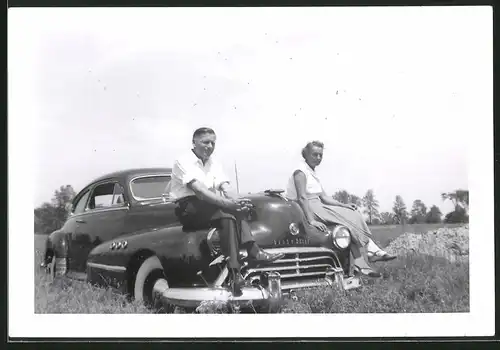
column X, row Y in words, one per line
column 391, row 93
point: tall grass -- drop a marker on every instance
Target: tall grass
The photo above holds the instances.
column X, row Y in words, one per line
column 414, row 282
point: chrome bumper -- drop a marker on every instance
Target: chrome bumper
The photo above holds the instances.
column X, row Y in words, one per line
column 334, row 279
column 269, row 295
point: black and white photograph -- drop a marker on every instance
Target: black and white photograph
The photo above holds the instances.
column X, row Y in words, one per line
column 285, row 172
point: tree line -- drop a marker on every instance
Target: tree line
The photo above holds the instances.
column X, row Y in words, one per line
column 418, row 214
column 50, row 216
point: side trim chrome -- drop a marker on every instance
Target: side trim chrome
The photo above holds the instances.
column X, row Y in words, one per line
column 107, row 267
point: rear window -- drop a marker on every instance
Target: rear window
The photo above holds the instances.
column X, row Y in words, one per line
column 149, row 187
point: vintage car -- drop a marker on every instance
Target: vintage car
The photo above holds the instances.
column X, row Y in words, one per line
column 123, row 233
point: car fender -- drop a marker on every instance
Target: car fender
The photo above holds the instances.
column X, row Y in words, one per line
column 175, row 248
column 56, row 244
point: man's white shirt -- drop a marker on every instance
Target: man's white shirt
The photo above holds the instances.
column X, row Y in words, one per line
column 188, row 168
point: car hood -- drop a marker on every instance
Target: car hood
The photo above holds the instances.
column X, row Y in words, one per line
column 270, row 223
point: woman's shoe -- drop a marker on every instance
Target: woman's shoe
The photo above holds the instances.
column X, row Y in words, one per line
column 380, row 256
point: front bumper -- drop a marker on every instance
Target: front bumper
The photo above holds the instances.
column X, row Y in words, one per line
column 268, row 295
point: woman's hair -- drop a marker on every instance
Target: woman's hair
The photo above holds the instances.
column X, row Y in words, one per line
column 311, row 144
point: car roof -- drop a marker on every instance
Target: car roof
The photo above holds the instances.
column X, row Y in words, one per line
column 129, row 173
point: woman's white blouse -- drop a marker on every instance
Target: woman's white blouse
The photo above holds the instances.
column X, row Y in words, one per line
column 313, row 183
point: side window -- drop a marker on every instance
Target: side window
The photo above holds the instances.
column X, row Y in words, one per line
column 149, row 187
column 106, row 196
column 80, row 205
column 118, row 199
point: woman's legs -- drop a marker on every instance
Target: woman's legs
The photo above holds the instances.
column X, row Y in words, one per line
column 364, row 237
column 360, row 263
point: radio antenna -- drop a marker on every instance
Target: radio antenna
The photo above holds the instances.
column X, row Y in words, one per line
column 237, row 182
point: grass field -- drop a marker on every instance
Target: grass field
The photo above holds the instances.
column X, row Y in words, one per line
column 412, row 283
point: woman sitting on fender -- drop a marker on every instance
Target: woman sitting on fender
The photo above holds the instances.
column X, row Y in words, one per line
column 320, row 210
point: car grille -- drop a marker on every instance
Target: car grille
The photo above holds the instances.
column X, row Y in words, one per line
column 300, row 267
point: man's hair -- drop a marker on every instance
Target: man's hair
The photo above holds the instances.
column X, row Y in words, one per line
column 310, row 145
column 202, row 131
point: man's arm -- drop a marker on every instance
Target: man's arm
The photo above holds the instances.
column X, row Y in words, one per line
column 203, row 193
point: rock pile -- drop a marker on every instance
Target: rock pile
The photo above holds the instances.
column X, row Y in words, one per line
column 449, row 243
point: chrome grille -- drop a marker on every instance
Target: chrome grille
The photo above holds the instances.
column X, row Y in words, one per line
column 300, row 265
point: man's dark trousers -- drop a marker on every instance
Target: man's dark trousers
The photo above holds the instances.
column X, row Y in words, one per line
column 195, row 214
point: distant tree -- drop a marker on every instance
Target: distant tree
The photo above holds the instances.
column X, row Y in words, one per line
column 386, row 218
column 347, row 198
column 342, row 196
column 459, row 198
column 434, row 215
column 355, row 200
column 63, row 197
column 418, row 212
column 371, row 206
column 459, row 215
column 376, row 221
column 399, row 209
column 51, row 216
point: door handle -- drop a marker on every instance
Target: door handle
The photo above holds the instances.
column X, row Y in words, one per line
column 81, row 221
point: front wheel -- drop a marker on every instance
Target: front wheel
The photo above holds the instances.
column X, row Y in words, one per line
column 148, row 274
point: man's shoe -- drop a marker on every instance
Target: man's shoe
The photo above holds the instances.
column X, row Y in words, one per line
column 264, row 257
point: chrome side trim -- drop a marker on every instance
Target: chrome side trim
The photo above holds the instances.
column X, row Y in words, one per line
column 107, row 267
column 105, row 209
column 98, row 210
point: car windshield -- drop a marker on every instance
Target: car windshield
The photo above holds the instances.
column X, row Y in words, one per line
column 150, row 187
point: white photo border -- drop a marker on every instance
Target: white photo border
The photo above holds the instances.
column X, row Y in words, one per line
column 23, row 322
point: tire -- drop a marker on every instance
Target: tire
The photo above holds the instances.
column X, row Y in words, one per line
column 150, row 271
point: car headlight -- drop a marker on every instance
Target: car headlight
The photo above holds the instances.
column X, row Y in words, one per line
column 213, row 241
column 341, row 237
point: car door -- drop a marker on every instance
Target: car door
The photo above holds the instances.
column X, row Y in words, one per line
column 151, row 207
column 71, row 228
column 104, row 219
